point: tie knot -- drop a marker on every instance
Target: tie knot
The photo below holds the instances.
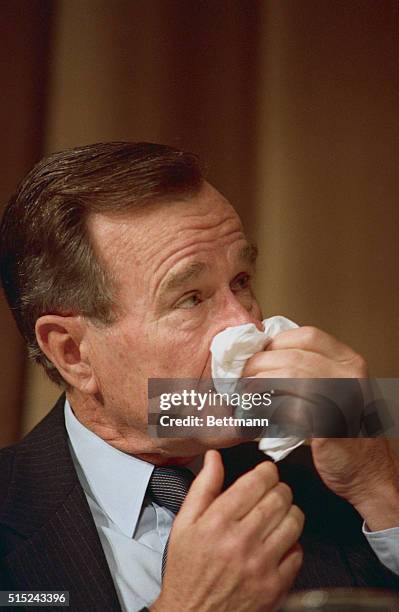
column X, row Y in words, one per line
column 168, row 486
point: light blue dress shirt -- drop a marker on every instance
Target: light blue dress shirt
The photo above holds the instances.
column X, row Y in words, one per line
column 133, row 530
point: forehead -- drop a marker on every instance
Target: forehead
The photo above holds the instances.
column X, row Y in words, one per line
column 155, row 231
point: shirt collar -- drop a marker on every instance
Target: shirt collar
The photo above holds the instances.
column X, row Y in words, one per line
column 115, row 480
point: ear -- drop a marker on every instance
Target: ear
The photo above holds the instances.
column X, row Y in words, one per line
column 61, row 338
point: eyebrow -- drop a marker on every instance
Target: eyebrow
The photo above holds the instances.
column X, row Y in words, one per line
column 180, row 277
column 247, row 254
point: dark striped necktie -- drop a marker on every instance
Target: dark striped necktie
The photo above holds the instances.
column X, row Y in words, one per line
column 168, row 487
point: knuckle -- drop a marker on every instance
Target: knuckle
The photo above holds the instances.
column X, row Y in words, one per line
column 286, row 492
column 360, row 365
column 277, row 501
column 272, row 470
column 297, row 517
column 229, row 549
column 250, row 481
column 310, row 333
column 240, row 547
column 297, row 551
column 215, row 524
column 253, row 567
column 295, row 560
column 267, row 469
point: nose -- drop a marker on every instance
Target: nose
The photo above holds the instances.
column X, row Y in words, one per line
column 234, row 312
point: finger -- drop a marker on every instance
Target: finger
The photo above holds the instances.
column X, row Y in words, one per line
column 204, row 490
column 246, row 492
column 310, row 339
column 295, row 360
column 285, row 373
column 285, row 535
column 268, row 513
column 290, row 566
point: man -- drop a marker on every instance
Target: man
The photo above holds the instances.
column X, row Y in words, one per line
column 121, row 263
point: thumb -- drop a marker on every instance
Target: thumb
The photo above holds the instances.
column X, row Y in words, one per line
column 204, row 490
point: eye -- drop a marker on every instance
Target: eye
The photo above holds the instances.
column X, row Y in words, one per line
column 189, row 301
column 241, row 282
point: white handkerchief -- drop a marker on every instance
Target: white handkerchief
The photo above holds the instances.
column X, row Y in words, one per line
column 230, row 350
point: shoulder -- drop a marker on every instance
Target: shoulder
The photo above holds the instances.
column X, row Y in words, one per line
column 36, row 475
column 8, row 537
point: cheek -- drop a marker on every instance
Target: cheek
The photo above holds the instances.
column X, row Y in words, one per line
column 257, row 311
column 113, row 356
column 114, row 366
column 181, row 354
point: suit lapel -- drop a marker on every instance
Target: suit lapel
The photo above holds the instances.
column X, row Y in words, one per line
column 58, row 548
column 66, row 554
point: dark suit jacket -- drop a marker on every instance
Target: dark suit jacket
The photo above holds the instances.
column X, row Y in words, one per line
column 48, row 540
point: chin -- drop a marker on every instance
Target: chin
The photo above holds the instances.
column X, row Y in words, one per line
column 181, row 451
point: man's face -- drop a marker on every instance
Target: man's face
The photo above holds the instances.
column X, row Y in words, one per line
column 183, row 270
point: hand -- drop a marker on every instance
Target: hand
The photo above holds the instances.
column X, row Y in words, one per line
column 235, row 550
column 363, row 471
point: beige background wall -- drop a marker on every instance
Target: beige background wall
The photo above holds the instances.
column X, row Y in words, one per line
column 25, row 39
column 294, row 105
